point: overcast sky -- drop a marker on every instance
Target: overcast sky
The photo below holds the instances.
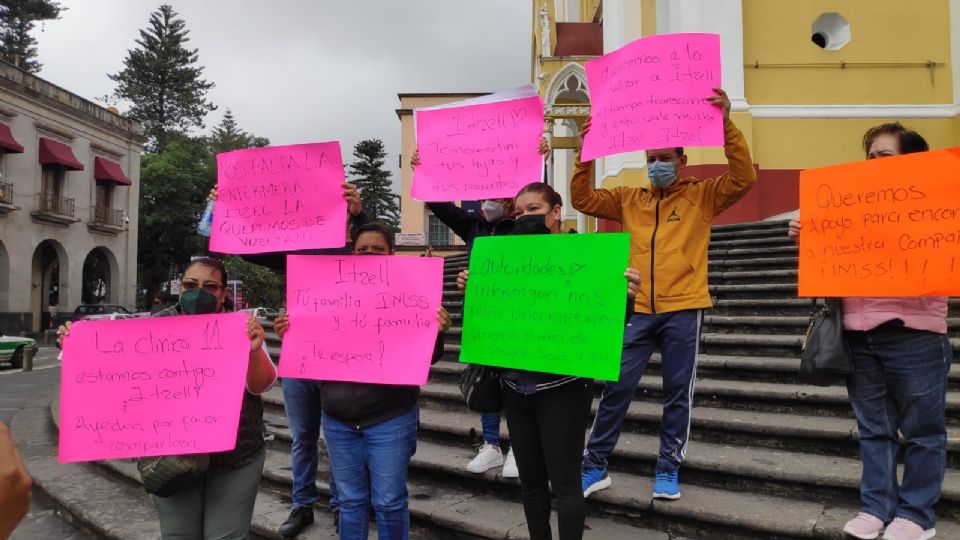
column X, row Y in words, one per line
column 307, row 70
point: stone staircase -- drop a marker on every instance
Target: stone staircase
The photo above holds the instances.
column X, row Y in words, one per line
column 769, row 458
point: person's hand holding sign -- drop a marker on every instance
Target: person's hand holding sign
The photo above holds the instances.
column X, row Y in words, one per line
column 256, row 333
column 281, row 324
column 721, row 101
column 633, row 283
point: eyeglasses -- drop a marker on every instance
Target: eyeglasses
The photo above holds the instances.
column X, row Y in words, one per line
column 210, row 286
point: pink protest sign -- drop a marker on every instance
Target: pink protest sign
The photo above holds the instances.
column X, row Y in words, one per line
column 279, row 198
column 366, row 319
column 152, row 387
column 653, row 93
column 478, row 151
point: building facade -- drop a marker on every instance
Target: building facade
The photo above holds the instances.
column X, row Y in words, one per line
column 69, row 196
column 806, row 80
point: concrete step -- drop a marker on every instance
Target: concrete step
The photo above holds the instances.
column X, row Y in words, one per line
column 761, row 396
column 715, row 513
column 825, row 435
column 437, row 512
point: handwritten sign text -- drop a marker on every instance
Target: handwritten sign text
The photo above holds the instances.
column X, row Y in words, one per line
column 361, row 318
column 152, row 387
column 884, row 227
column 653, row 93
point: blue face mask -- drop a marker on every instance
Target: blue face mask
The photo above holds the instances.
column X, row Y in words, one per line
column 662, row 174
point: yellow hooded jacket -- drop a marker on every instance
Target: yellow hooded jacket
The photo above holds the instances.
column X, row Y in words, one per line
column 670, row 228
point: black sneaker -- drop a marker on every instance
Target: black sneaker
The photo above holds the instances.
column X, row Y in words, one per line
column 299, row 519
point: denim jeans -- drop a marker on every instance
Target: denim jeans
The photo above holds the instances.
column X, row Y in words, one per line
column 677, row 335
column 371, row 467
column 491, row 428
column 301, row 399
column 899, row 383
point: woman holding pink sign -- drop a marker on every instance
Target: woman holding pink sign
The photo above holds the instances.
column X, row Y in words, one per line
column 370, row 430
column 218, row 503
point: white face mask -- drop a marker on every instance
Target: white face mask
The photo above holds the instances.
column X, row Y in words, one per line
column 492, row 210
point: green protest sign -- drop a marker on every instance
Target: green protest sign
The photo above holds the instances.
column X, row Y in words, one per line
column 552, row 303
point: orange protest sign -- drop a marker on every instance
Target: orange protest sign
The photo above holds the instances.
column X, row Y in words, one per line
column 884, row 227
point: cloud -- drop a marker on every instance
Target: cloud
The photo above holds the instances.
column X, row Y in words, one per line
column 301, row 71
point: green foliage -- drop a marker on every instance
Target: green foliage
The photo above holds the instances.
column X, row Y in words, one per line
column 173, row 189
column 376, row 193
column 17, row 19
column 228, row 136
column 261, row 286
column 162, row 80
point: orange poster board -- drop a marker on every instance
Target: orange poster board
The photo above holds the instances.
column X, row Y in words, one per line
column 884, row 227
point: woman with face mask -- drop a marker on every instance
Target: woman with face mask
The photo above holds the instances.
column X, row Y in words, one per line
column 370, row 430
column 547, row 414
column 496, row 218
column 901, row 359
column 219, row 504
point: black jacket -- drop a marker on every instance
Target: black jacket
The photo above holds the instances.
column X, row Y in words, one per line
column 364, row 404
column 466, row 225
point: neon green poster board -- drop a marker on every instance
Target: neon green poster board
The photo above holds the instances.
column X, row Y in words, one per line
column 552, row 303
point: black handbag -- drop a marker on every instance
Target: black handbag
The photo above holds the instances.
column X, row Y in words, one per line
column 480, row 386
column 164, row 476
column 825, row 357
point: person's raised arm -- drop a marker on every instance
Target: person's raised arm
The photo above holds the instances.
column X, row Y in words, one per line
column 261, row 373
column 732, row 185
column 601, row 203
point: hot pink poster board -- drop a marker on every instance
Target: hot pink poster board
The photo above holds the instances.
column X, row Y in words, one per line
column 279, row 198
column 361, row 318
column 152, row 387
column 478, row 152
column 652, row 93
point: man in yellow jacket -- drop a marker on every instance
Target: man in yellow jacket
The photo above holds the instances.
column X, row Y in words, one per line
column 669, row 225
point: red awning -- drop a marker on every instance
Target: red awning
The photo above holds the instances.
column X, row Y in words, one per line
column 105, row 170
column 7, row 142
column 57, row 153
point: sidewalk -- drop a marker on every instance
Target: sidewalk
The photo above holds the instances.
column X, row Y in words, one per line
column 41, row 523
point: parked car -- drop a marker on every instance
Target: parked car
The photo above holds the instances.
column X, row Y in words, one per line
column 262, row 312
column 85, row 310
column 108, row 316
column 12, row 349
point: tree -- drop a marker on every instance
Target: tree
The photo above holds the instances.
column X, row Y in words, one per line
column 17, row 19
column 228, row 136
column 173, row 190
column 162, row 80
column 261, row 286
column 376, row 193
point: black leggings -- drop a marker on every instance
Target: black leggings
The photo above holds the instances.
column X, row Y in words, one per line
column 546, row 433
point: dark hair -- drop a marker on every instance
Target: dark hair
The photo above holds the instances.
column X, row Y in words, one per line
column 210, row 262
column 375, row 227
column 909, row 140
column 545, row 190
column 679, row 151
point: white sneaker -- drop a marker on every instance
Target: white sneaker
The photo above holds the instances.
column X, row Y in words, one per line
column 510, row 466
column 487, row 458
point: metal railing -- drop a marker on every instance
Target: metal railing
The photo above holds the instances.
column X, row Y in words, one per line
column 6, row 193
column 104, row 215
column 56, row 205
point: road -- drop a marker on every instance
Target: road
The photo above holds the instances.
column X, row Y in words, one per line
column 45, row 358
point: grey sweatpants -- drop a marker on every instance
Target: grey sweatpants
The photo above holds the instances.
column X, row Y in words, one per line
column 217, row 507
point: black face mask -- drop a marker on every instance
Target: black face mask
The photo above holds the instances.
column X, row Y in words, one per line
column 531, row 224
column 198, row 302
